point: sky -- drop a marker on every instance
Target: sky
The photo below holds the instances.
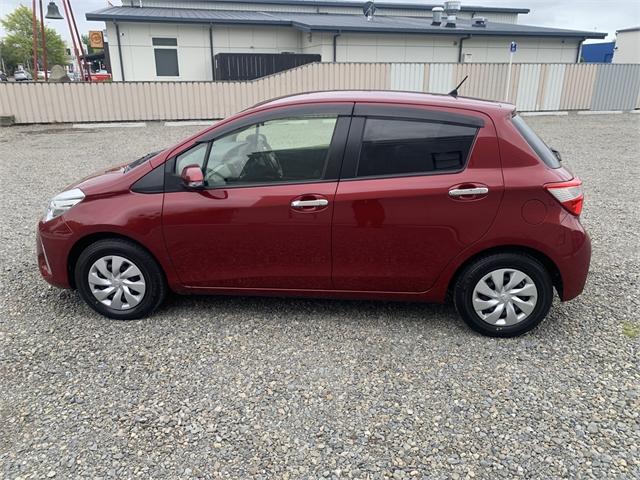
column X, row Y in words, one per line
column 589, row 15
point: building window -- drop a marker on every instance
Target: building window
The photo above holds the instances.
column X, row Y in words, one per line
column 166, row 58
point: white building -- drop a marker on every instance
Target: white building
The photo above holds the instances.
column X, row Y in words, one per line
column 627, row 48
column 179, row 40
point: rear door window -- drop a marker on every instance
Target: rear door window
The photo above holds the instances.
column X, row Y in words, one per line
column 535, row 142
column 411, row 147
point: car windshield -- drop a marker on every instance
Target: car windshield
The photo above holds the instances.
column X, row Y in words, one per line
column 535, row 142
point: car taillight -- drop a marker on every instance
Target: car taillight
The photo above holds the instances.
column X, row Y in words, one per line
column 569, row 194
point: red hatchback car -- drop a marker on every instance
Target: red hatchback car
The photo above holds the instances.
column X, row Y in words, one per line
column 378, row 195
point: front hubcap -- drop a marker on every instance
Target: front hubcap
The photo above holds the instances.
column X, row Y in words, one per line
column 116, row 282
column 505, row 297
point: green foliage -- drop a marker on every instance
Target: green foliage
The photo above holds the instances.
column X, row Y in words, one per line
column 17, row 45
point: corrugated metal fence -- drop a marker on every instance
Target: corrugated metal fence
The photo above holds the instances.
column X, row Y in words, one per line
column 534, row 87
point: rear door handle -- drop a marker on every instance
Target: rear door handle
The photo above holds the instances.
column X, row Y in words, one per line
column 459, row 192
column 320, row 202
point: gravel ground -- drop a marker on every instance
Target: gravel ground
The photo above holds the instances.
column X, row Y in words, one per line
column 222, row 387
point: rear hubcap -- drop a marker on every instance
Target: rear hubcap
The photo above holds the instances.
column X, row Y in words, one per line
column 116, row 282
column 505, row 297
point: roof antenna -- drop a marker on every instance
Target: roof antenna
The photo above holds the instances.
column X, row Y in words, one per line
column 454, row 92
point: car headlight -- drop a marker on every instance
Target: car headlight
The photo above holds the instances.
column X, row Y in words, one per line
column 63, row 202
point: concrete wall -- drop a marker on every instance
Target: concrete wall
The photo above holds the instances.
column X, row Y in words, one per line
column 194, row 54
column 246, row 6
column 194, row 60
column 530, row 50
column 627, row 47
column 360, row 47
column 319, row 43
column 533, row 87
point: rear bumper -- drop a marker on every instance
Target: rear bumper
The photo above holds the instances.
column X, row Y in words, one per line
column 52, row 249
column 574, row 267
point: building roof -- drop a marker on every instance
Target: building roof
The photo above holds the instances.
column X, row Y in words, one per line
column 631, row 29
column 325, row 22
column 359, row 4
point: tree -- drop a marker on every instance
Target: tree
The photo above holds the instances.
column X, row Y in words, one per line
column 17, row 46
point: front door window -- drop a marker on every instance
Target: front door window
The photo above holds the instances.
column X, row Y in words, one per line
column 277, row 151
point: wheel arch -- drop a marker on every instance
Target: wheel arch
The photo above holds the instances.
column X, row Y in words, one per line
column 82, row 243
column 546, row 261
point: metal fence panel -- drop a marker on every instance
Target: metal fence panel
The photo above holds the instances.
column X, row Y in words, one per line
column 528, row 87
column 486, row 80
column 616, row 87
column 407, row 76
column 441, row 77
column 577, row 87
column 553, row 82
column 533, row 86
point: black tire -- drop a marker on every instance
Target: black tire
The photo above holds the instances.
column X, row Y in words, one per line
column 476, row 270
column 156, row 286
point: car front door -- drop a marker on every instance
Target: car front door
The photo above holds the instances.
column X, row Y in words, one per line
column 418, row 185
column 263, row 220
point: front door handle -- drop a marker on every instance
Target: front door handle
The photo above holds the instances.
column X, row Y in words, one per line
column 320, row 202
column 459, row 192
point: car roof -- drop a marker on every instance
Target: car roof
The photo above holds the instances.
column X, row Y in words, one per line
column 389, row 96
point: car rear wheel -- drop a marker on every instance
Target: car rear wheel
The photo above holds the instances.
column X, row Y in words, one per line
column 119, row 279
column 504, row 294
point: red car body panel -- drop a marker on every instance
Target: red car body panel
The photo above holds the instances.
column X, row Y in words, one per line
column 386, row 230
column 250, row 237
column 389, row 238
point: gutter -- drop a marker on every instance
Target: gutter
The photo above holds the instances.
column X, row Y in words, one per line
column 579, row 54
column 119, row 48
column 462, row 39
column 335, row 45
column 213, row 67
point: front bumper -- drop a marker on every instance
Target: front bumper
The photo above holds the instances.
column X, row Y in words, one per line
column 53, row 241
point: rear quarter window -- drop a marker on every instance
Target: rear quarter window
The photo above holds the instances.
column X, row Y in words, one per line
column 541, row 149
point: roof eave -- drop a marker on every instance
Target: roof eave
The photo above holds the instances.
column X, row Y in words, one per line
column 459, row 31
column 466, row 30
column 197, row 21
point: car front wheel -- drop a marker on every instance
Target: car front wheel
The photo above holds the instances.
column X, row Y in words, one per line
column 119, row 279
column 504, row 294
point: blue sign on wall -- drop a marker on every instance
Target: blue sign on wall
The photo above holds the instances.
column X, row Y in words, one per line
column 513, row 47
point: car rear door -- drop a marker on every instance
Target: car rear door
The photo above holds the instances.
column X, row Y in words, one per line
column 264, row 219
column 418, row 185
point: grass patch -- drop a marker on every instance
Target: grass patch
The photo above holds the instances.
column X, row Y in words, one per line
column 631, row 329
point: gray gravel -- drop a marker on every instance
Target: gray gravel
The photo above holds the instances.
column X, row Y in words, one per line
column 222, row 387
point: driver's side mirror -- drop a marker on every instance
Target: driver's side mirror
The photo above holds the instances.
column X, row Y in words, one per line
column 192, row 177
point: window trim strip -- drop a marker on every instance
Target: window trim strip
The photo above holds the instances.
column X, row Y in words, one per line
column 405, row 112
column 303, row 110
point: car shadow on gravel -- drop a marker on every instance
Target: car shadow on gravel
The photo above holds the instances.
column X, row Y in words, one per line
column 328, row 311
column 180, row 313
